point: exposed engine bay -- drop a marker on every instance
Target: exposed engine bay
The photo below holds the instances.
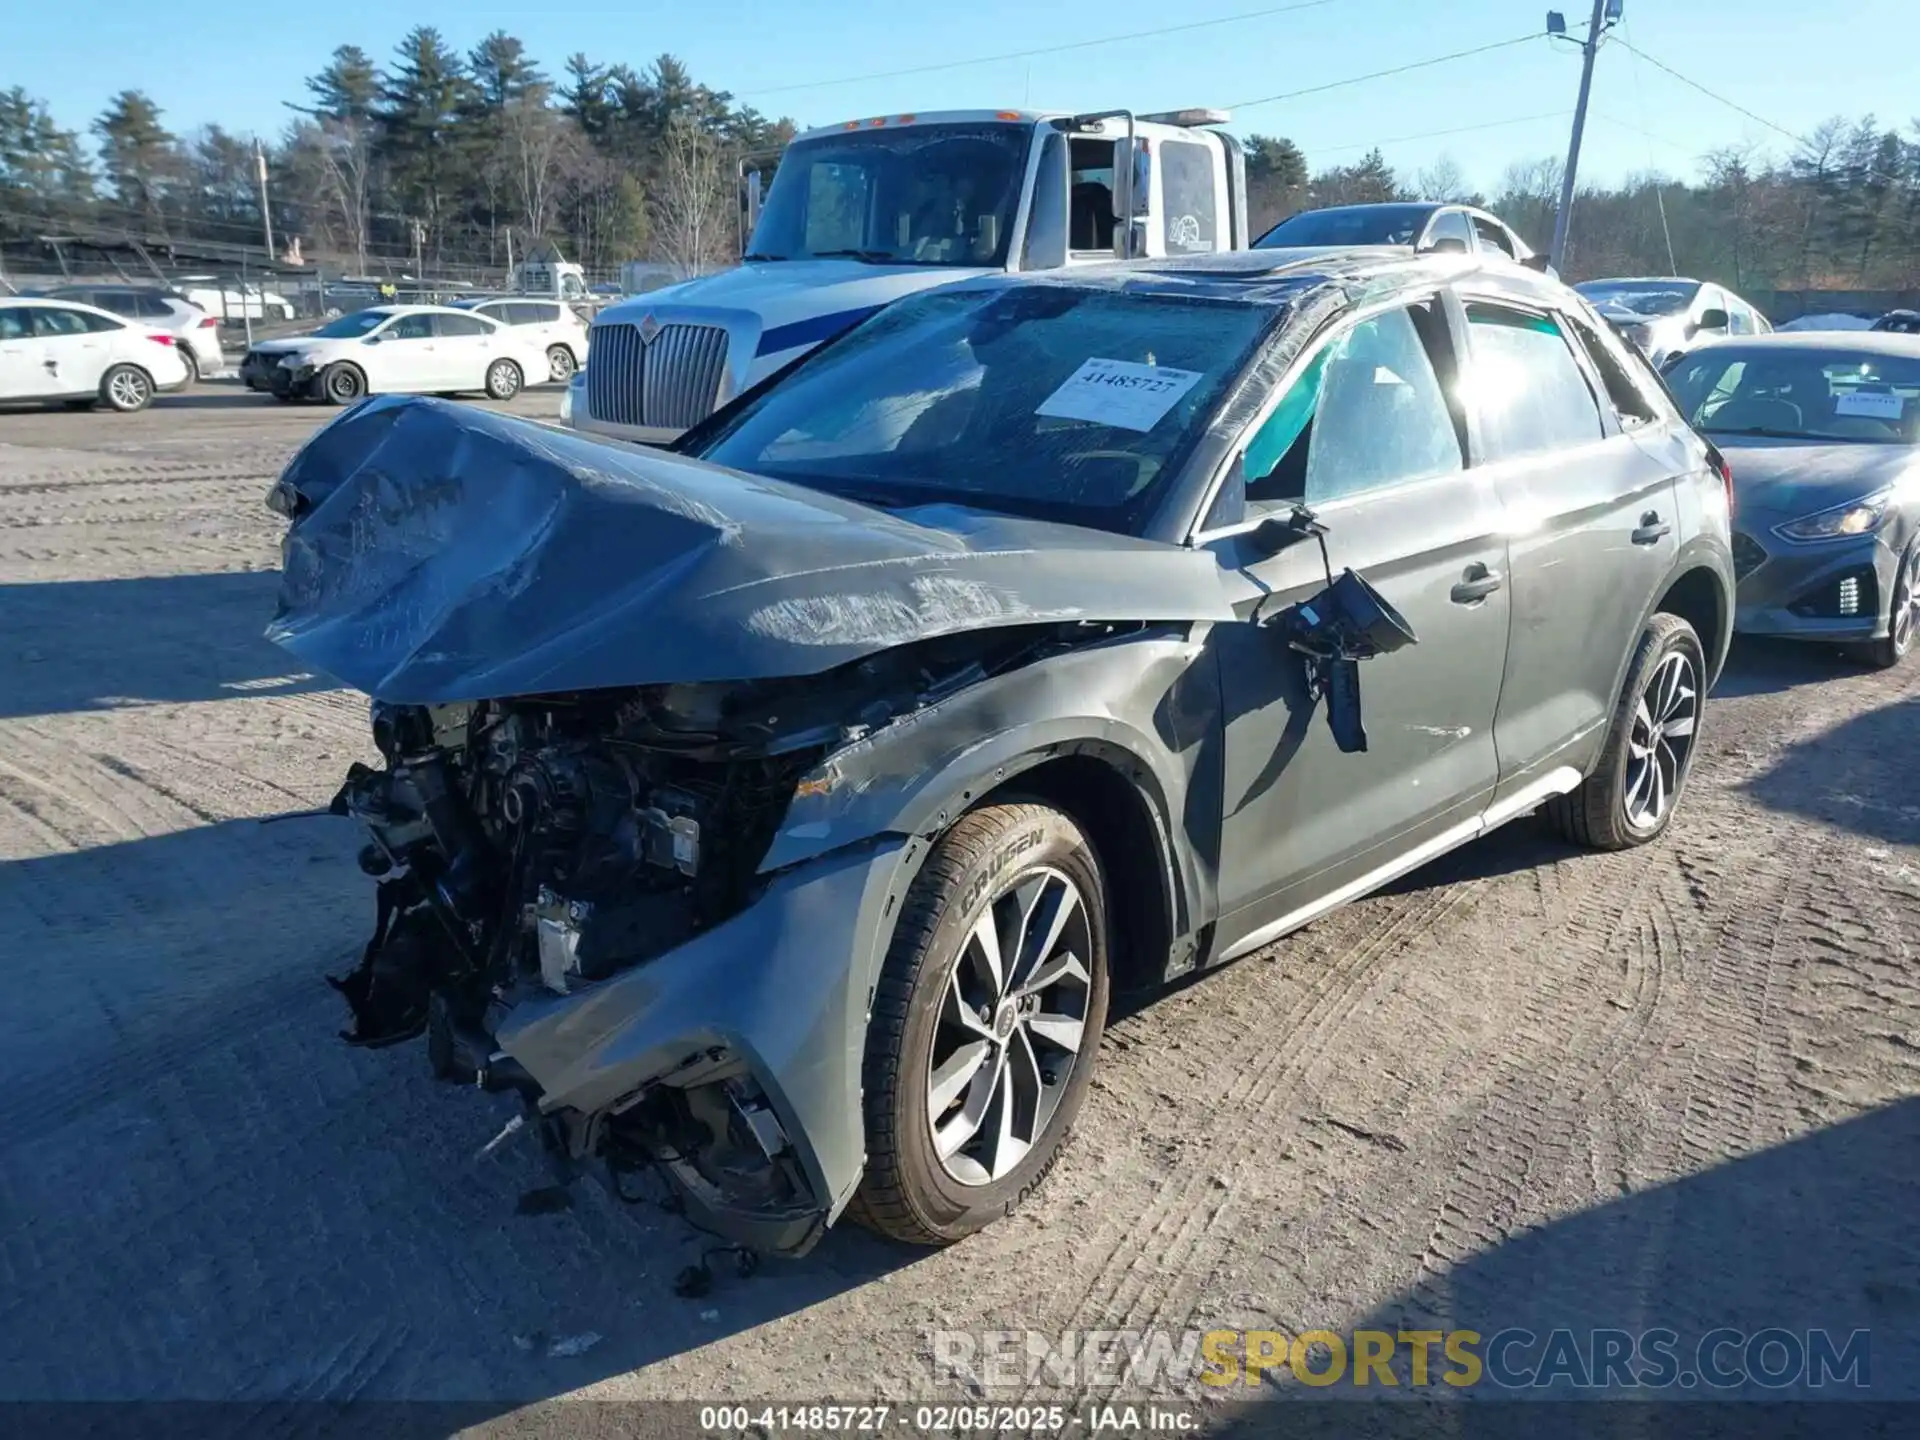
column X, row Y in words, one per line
column 541, row 844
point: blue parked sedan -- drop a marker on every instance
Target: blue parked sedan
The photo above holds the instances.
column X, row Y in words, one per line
column 1822, row 431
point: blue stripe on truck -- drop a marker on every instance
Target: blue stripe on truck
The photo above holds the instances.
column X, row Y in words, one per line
column 810, row 332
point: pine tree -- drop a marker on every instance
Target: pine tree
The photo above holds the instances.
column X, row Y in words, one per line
column 139, row 156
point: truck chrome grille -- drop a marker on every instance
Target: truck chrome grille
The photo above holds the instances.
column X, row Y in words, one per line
column 668, row 384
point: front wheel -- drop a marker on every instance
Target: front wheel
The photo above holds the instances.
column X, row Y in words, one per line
column 1632, row 793
column 503, row 380
column 342, row 384
column 984, row 1024
column 1903, row 615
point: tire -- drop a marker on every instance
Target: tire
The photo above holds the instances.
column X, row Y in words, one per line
column 560, row 364
column 1633, row 792
column 504, row 379
column 342, row 384
column 1903, row 618
column 993, row 863
column 126, row 388
column 193, row 365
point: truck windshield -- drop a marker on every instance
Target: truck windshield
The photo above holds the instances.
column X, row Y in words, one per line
column 1641, row 297
column 1349, row 225
column 911, row 195
column 1053, row 401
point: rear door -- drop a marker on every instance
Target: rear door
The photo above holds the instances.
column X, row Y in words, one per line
column 1369, row 434
column 1592, row 526
column 466, row 344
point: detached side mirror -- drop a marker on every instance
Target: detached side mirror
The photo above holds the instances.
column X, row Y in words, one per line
column 1447, row 245
column 1542, row 263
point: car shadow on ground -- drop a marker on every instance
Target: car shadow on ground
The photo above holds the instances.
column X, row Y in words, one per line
column 1819, row 1234
column 205, row 1194
column 94, row 644
column 1758, row 665
column 1857, row 776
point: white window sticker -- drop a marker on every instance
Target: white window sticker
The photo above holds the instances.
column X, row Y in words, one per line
column 1869, row 404
column 1120, row 393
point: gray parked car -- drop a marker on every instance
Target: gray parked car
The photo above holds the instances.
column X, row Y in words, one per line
column 780, row 814
column 1820, row 430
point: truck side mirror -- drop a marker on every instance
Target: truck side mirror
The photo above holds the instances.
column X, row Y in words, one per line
column 1715, row 319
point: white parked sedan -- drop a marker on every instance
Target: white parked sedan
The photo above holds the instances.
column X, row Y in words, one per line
column 389, row 349
column 57, row 350
column 557, row 328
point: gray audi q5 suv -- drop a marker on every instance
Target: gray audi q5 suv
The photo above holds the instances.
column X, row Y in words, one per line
column 779, row 813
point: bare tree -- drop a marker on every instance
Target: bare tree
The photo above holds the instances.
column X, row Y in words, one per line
column 1441, row 180
column 693, row 202
column 537, row 147
column 340, row 153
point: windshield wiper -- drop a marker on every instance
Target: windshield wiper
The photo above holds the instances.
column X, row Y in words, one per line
column 757, row 255
column 870, row 257
column 1766, row 433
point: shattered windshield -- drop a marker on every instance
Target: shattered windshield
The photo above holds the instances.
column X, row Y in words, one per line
column 350, row 327
column 1639, row 296
column 909, row 195
column 1047, row 400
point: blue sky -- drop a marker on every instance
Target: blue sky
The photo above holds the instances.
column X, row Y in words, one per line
column 1790, row 61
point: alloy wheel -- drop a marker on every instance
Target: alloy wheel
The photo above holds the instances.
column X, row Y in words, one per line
column 128, row 389
column 1664, row 721
column 1011, row 1023
column 503, row 381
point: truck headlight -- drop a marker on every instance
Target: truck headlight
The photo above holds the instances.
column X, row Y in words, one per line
column 1856, row 517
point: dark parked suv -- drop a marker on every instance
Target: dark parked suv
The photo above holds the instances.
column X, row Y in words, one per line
column 780, row 814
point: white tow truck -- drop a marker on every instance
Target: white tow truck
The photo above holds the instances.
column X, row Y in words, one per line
column 861, row 214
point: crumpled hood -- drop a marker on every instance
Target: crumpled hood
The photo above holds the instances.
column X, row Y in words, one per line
column 1791, row 478
column 438, row 553
column 285, row 345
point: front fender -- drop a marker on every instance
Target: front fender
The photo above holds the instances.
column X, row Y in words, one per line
column 1146, row 703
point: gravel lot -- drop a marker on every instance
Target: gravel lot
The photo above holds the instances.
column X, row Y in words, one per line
column 1525, row 1086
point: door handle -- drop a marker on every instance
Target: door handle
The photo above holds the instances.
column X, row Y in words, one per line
column 1476, row 585
column 1652, row 528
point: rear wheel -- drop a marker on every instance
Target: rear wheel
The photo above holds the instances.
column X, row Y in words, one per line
column 984, row 1026
column 560, row 363
column 1903, row 615
column 503, row 380
column 1632, row 793
column 126, row 388
column 192, row 364
column 342, row 384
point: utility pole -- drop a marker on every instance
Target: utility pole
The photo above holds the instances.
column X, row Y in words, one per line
column 266, row 215
column 419, row 239
column 1605, row 13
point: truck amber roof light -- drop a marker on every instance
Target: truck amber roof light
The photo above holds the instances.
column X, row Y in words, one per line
column 1007, row 115
column 1193, row 115
column 905, row 119
column 878, row 120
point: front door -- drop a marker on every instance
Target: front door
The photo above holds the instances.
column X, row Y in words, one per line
column 405, row 356
column 1371, row 437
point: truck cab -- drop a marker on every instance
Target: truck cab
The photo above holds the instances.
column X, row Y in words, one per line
column 863, row 213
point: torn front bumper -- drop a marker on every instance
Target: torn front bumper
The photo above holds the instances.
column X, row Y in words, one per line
column 781, row 991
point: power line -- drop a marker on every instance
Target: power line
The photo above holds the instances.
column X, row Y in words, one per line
column 1044, row 49
column 1437, row 134
column 1713, row 95
column 1383, row 74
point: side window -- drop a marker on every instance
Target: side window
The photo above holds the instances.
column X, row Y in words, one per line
column 1090, row 195
column 151, row 307
column 1739, row 318
column 1492, row 237
column 16, row 324
column 1368, row 411
column 540, row 312
column 1630, row 401
column 1186, row 192
column 100, row 323
column 118, row 301
column 1525, row 384
column 456, row 326
column 1450, row 232
column 409, row 327
column 48, row 323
